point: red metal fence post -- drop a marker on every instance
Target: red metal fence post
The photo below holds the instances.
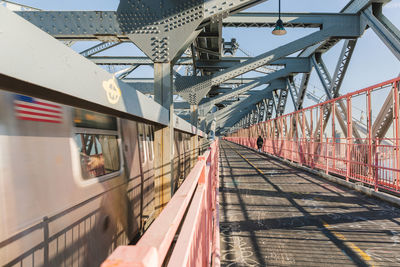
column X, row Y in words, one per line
column 369, row 121
column 333, row 111
column 376, row 176
column 303, row 137
column 396, row 130
column 326, row 156
column 321, row 137
column 349, row 137
column 312, row 138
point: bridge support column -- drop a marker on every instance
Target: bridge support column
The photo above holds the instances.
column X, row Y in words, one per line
column 163, row 137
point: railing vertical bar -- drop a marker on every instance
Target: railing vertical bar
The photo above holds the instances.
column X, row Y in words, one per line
column 349, row 137
column 396, row 127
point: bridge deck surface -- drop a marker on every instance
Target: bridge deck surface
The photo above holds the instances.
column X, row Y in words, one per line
column 275, row 215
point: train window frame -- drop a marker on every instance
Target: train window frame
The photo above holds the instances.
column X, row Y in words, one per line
column 142, row 142
column 77, row 158
column 150, row 144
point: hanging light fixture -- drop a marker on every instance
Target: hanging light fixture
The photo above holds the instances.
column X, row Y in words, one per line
column 279, row 29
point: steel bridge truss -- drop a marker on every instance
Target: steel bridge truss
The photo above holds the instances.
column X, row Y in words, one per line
column 189, row 34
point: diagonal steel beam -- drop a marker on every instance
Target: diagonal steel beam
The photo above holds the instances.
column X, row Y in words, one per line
column 280, row 52
column 384, row 118
column 323, row 74
column 303, row 89
column 248, row 103
column 352, row 7
column 293, row 91
column 342, row 65
column 387, row 33
column 189, row 86
column 333, row 87
column 274, row 84
column 206, row 107
column 123, row 73
column 98, row 48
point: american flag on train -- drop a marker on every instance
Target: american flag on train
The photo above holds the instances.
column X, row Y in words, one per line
column 33, row 109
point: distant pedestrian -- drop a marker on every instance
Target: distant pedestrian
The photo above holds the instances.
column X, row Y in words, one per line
column 260, row 142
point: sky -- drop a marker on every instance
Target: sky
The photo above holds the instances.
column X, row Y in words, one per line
column 372, row 61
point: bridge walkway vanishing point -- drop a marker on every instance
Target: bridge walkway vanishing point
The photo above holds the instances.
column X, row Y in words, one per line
column 275, row 215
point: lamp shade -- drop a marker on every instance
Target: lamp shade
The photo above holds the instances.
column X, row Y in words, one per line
column 279, row 29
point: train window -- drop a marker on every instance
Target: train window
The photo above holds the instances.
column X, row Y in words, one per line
column 142, row 141
column 150, row 141
column 99, row 154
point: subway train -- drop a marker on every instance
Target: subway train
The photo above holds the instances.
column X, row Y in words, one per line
column 74, row 184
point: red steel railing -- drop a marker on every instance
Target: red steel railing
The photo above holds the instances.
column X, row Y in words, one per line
column 198, row 239
column 311, row 138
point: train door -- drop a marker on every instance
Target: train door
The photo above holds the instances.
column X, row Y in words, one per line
column 186, row 141
column 177, row 161
column 134, row 176
column 181, row 157
column 150, row 163
column 145, row 134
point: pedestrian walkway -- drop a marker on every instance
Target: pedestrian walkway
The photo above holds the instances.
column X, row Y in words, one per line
column 275, row 215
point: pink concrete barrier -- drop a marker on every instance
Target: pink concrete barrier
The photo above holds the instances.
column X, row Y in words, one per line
column 198, row 239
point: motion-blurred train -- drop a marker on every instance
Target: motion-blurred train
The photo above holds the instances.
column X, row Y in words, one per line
column 74, row 184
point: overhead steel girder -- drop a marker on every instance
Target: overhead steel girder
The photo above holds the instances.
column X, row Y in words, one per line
column 153, row 25
column 353, row 7
column 98, row 48
column 223, row 63
column 290, row 20
column 181, row 105
column 146, row 85
column 293, row 65
column 248, row 103
column 388, row 33
column 231, row 81
column 356, row 6
column 110, row 60
column 207, row 46
column 78, row 25
column 193, row 89
column 222, row 112
column 230, row 120
column 75, row 80
column 147, row 82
